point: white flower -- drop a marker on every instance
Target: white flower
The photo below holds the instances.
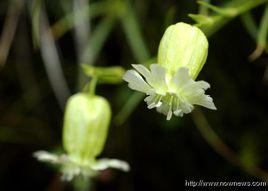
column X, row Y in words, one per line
column 71, row 168
column 169, row 93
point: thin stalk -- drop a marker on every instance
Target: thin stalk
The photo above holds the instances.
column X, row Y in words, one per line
column 98, row 37
column 221, row 148
column 81, row 33
column 67, row 22
column 35, row 16
column 237, row 8
column 97, row 40
column 203, row 10
column 107, row 75
column 9, row 29
column 82, row 184
column 93, row 85
column 262, row 36
column 249, row 24
column 133, row 33
column 128, row 108
column 81, row 27
column 51, row 60
column 141, row 54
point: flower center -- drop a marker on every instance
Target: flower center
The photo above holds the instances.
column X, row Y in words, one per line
column 168, row 104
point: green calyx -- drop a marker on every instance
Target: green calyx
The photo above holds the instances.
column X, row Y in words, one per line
column 183, row 45
column 86, row 123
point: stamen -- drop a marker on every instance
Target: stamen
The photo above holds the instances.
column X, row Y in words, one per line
column 178, row 113
column 159, row 103
column 169, row 115
column 176, row 109
column 151, row 106
column 156, row 101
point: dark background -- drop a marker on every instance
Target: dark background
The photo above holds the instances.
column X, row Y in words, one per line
column 162, row 154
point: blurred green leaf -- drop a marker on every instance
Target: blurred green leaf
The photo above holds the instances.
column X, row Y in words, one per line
column 97, row 39
column 133, row 33
column 67, row 22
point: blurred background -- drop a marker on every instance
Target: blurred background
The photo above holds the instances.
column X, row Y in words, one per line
column 42, row 45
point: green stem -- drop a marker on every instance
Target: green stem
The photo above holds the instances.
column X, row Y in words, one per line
column 98, row 37
column 82, row 184
column 106, row 75
column 132, row 102
column 96, row 42
column 249, row 24
column 35, row 14
column 238, row 7
column 67, row 22
column 133, row 33
column 141, row 53
column 262, row 36
column 93, row 85
column 128, row 108
column 203, row 10
column 221, row 148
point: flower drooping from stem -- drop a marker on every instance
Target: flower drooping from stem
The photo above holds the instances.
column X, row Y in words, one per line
column 170, row 84
column 86, row 124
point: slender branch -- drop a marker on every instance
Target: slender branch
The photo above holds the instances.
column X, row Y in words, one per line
column 221, row 148
column 262, row 36
column 81, row 35
column 51, row 60
column 133, row 33
column 203, row 9
column 249, row 24
column 128, row 108
column 66, row 23
column 9, row 29
column 92, row 85
column 236, row 8
column 81, row 28
column 97, row 40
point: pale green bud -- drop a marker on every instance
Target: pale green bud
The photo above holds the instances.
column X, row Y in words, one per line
column 86, row 123
column 183, row 45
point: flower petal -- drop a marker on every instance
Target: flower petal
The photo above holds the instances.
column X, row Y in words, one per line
column 180, row 80
column 136, row 82
column 153, row 101
column 45, row 156
column 142, row 70
column 195, row 88
column 203, row 84
column 158, row 79
column 206, row 101
column 186, row 107
column 182, row 77
column 103, row 164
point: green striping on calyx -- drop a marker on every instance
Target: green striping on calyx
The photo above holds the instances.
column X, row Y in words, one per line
column 183, row 45
column 86, row 123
